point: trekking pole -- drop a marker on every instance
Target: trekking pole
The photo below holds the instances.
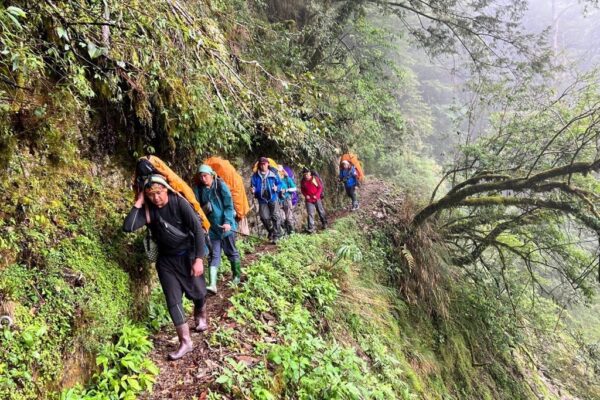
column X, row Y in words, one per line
column 256, row 212
column 246, row 234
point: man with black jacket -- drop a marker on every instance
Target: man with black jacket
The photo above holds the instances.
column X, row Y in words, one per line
column 180, row 238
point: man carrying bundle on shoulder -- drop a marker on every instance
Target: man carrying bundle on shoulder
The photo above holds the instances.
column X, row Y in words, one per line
column 216, row 200
column 349, row 177
column 176, row 228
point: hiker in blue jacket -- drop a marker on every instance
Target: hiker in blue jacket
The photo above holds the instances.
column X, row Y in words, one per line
column 266, row 186
column 214, row 196
column 349, row 177
column 288, row 188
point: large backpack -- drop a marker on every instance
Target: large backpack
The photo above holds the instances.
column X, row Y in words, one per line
column 353, row 160
column 227, row 172
column 158, row 166
column 272, row 165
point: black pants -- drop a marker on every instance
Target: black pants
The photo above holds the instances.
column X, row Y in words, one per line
column 175, row 275
column 351, row 192
column 269, row 215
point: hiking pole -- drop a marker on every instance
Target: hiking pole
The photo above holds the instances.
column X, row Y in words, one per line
column 250, row 236
column 256, row 212
column 246, row 234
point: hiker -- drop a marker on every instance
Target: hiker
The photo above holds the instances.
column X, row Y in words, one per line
column 312, row 188
column 266, row 184
column 181, row 248
column 288, row 187
column 234, row 181
column 214, row 196
column 349, row 177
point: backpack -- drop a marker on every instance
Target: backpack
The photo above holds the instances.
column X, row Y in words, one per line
column 143, row 170
column 145, row 163
column 353, row 160
column 228, row 174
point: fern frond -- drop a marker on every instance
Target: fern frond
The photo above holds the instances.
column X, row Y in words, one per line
column 408, row 257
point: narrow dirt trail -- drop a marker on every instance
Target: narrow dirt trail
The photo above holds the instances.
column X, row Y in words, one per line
column 190, row 377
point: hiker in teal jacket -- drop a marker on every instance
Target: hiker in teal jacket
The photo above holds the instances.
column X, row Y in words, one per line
column 214, row 196
column 288, row 187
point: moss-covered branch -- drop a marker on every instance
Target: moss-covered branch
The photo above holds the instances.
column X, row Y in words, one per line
column 535, row 183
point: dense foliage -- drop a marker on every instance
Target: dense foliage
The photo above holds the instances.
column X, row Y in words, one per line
column 191, row 82
column 86, row 86
column 323, row 326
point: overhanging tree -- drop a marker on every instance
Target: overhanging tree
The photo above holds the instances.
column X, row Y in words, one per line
column 526, row 194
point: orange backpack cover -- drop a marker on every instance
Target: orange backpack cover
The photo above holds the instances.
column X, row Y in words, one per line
column 227, row 172
column 353, row 159
column 179, row 185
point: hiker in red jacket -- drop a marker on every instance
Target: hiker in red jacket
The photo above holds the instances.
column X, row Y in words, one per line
column 312, row 189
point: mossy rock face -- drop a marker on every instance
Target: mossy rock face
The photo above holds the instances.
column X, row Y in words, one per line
column 71, row 283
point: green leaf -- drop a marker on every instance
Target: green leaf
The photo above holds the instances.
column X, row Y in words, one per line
column 27, row 338
column 14, row 20
column 153, row 369
column 93, row 50
column 62, row 33
column 16, row 11
column 134, row 384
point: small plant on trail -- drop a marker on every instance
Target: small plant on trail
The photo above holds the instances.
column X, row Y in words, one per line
column 125, row 369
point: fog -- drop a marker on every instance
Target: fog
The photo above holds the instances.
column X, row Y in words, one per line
column 574, row 30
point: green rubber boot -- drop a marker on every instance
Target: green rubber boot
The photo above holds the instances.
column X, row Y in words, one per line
column 236, row 271
column 213, row 280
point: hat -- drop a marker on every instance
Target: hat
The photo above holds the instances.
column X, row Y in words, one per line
column 262, row 160
column 206, row 169
column 157, row 179
column 345, row 162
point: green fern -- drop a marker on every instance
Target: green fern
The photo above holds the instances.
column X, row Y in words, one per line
column 408, row 257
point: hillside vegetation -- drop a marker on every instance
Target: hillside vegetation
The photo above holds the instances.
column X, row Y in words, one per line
column 466, row 293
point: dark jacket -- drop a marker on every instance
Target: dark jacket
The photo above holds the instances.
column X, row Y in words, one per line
column 175, row 227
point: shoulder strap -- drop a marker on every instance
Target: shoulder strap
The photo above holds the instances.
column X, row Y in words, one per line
column 147, row 213
column 219, row 191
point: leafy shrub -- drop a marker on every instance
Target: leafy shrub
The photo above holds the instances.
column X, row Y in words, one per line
column 125, row 369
